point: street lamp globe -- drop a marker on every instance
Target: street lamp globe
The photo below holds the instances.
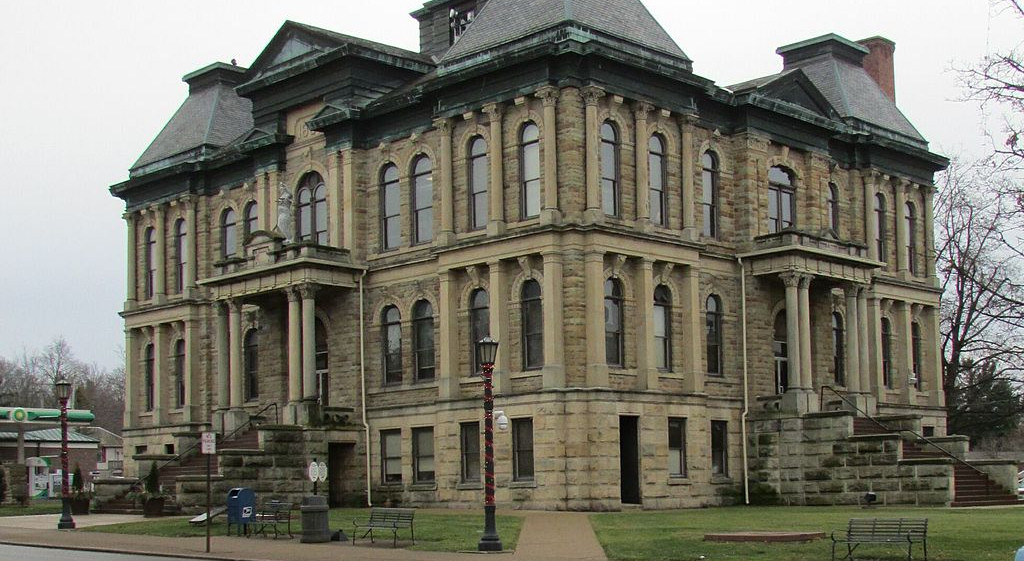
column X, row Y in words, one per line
column 486, row 350
column 63, row 388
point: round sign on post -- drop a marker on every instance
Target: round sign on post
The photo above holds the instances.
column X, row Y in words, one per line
column 323, row 472
column 19, row 415
column 314, row 471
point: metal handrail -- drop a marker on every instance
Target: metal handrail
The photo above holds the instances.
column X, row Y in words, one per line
column 915, row 434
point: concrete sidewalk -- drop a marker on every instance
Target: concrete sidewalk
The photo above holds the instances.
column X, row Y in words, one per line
column 546, row 536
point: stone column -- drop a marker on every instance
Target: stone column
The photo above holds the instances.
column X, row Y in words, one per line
column 593, row 281
column 937, row 397
column 294, row 345
column 499, row 302
column 864, row 339
column 447, row 234
column 191, row 351
column 686, row 123
column 348, row 199
column 223, row 359
column 643, row 188
column 647, row 370
column 806, row 366
column 334, row 197
column 308, row 293
column 448, row 346
column 191, row 257
column 554, row 325
column 131, row 362
column 160, row 374
column 594, row 211
column 870, row 218
column 132, row 283
column 235, row 372
column 928, row 194
column 792, row 283
column 853, row 379
column 160, row 255
column 495, row 159
column 274, row 178
column 875, row 339
column 903, row 363
column 901, row 229
column 693, row 328
column 550, row 213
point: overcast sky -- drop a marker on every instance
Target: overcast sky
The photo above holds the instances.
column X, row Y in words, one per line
column 86, row 85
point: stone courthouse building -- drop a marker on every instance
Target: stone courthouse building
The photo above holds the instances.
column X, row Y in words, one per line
column 690, row 283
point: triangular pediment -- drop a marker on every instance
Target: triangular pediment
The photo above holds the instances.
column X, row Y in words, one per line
column 796, row 88
column 292, row 43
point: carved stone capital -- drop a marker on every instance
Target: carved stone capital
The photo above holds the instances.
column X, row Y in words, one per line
column 791, row 279
column 592, row 95
column 494, row 110
column 641, row 109
column 308, row 291
column 548, row 95
column 444, row 126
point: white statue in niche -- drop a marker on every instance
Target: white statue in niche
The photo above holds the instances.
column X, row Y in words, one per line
column 285, row 216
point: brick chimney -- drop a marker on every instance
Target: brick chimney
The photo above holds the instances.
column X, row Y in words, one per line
column 878, row 64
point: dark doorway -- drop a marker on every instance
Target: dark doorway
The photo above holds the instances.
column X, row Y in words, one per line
column 629, row 459
column 339, row 463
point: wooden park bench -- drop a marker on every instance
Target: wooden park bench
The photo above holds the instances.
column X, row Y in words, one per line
column 276, row 515
column 896, row 531
column 390, row 519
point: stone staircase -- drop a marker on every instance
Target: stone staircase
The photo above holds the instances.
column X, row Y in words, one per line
column 195, row 463
column 970, row 487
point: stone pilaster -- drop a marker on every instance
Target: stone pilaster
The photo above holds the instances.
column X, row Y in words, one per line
column 554, row 346
column 930, row 330
column 864, row 340
column 448, row 346
column 592, row 97
column 870, row 218
column 235, row 370
column 597, row 368
column 447, row 234
column 499, row 299
column 223, row 359
column 132, row 283
column 647, row 370
column 294, row 347
column 902, row 235
column 550, row 214
column 928, row 195
column 191, row 338
column 308, row 294
column 191, row 255
column 686, row 124
column 693, row 329
column 902, row 355
column 348, row 200
column 853, row 379
column 131, row 371
column 643, row 187
column 806, row 366
column 335, row 184
column 495, row 159
column 792, row 284
column 160, row 374
column 160, row 255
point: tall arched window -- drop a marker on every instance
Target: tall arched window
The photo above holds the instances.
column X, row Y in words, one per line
column 657, row 180
column 611, row 198
column 228, row 234
column 880, row 229
column 312, row 209
column 709, row 197
column 614, row 332
column 423, row 339
column 180, row 254
column 838, row 349
column 422, row 200
column 532, row 322
column 179, row 373
column 781, row 199
column 390, row 208
column 832, row 205
column 323, row 381
column 713, row 327
column 887, row 378
column 150, row 241
column 250, row 219
column 915, row 353
column 910, row 223
column 780, row 349
column 479, row 179
column 150, row 373
column 662, row 328
column 479, row 323
column 251, row 364
column 529, row 171
column 391, row 335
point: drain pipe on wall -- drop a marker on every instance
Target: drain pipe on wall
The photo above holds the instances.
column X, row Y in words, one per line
column 746, row 399
column 362, row 383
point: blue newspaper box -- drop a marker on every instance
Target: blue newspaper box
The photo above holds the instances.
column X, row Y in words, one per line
column 241, row 509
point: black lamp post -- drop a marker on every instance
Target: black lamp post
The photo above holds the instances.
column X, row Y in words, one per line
column 486, row 349
column 63, row 389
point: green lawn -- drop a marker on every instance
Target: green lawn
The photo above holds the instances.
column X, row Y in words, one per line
column 455, row 531
column 953, row 534
column 37, row 507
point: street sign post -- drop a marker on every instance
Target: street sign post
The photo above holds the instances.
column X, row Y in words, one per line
column 209, row 448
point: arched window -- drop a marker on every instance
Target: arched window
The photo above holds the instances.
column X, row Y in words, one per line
column 780, row 349
column 611, row 198
column 662, row 328
column 614, row 335
column 228, row 234
column 532, row 322
column 479, row 323
column 179, row 373
column 880, row 227
column 391, row 335
column 713, row 326
column 781, row 199
column 250, row 220
column 321, row 359
column 915, row 353
column 251, row 364
column 312, row 209
column 910, row 223
column 838, row 349
column 422, row 200
column 423, row 339
column 390, row 208
column 529, row 171
column 150, row 241
column 150, row 373
column 479, row 180
column 657, row 179
column 180, row 254
column 832, row 205
column 709, row 200
column 887, row 353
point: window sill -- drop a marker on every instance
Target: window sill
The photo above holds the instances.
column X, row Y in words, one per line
column 471, row 486
column 404, row 387
column 721, row 480
column 531, row 484
column 390, row 486
column 424, row 486
column 677, row 480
